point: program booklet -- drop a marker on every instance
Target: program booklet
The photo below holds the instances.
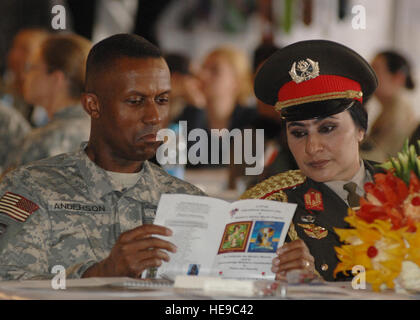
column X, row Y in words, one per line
column 236, row 240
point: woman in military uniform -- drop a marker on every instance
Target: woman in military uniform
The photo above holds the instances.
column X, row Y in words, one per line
column 318, row 87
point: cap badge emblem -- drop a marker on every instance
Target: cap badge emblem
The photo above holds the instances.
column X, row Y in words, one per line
column 304, row 70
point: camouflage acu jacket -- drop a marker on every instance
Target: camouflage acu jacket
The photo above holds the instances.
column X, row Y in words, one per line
column 63, row 211
column 64, row 133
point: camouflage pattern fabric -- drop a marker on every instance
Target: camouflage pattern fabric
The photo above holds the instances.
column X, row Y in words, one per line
column 64, row 133
column 78, row 216
column 13, row 129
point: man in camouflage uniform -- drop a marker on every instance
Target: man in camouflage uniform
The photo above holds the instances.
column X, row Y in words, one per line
column 91, row 211
column 13, row 128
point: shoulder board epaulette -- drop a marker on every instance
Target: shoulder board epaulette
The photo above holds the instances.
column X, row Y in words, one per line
column 272, row 188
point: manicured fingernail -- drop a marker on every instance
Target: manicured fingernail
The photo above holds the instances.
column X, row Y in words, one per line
column 276, row 262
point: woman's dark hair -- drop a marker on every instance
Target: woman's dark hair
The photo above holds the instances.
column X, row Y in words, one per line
column 359, row 115
column 178, row 63
column 395, row 62
column 262, row 53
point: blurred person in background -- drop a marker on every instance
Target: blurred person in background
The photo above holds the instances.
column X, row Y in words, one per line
column 55, row 80
column 186, row 98
column 277, row 156
column 185, row 91
column 24, row 44
column 227, row 85
column 226, row 82
column 397, row 120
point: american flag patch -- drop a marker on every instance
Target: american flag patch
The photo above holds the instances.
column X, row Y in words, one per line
column 17, row 207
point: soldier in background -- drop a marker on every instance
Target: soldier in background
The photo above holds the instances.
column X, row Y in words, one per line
column 277, row 156
column 25, row 43
column 397, row 120
column 91, row 210
column 185, row 89
column 55, row 80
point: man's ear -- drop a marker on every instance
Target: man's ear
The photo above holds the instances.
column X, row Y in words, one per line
column 90, row 103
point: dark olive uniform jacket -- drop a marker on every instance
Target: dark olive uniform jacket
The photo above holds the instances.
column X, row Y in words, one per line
column 319, row 210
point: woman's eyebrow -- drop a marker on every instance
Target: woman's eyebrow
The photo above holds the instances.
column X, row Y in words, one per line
column 300, row 124
column 318, row 120
column 295, row 124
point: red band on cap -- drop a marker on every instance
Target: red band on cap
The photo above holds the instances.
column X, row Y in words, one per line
column 322, row 84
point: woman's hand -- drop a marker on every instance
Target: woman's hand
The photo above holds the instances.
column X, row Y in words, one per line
column 294, row 255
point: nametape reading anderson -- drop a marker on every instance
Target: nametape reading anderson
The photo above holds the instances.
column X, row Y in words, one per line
column 76, row 207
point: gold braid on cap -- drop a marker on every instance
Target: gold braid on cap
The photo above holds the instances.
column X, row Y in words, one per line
column 349, row 94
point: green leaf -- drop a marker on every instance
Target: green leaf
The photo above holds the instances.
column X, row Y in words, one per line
column 406, row 161
column 397, row 166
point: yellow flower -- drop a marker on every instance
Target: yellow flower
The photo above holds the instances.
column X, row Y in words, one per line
column 374, row 246
column 413, row 245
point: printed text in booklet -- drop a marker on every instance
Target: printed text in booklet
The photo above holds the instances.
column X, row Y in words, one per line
column 218, row 238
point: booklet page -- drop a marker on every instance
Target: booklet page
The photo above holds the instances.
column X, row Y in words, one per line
column 218, row 238
column 256, row 228
column 197, row 223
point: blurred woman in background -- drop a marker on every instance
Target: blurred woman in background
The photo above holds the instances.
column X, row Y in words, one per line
column 227, row 85
column 24, row 44
column 226, row 82
column 397, row 120
column 55, row 80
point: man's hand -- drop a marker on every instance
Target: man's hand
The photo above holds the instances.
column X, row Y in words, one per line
column 135, row 251
column 291, row 256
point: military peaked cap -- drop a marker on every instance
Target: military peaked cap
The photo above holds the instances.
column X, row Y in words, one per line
column 314, row 79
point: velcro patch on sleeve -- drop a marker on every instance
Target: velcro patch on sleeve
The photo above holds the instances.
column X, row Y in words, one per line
column 17, row 207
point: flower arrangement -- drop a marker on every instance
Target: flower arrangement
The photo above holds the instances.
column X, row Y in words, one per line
column 385, row 238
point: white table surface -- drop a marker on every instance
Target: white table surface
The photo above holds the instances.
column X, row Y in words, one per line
column 105, row 289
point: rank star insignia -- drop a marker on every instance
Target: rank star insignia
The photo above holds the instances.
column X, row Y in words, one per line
column 313, row 231
column 304, row 70
column 313, row 200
